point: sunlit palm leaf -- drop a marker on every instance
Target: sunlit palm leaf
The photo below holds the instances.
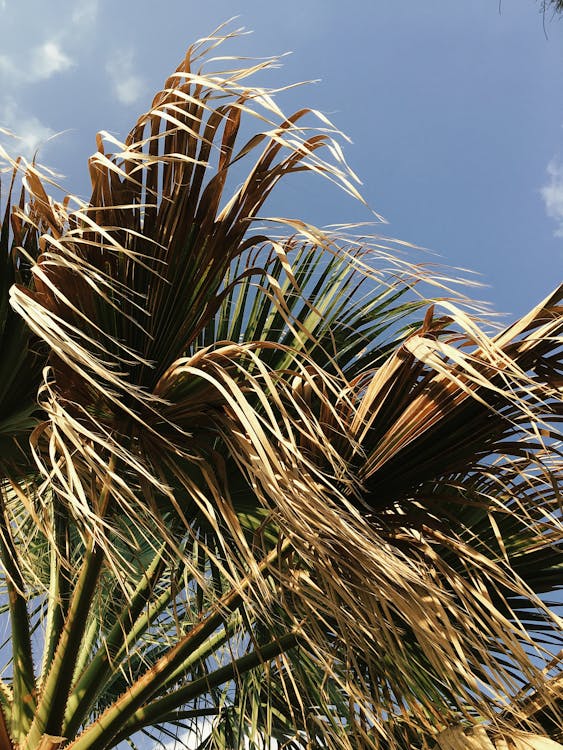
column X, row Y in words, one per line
column 272, row 498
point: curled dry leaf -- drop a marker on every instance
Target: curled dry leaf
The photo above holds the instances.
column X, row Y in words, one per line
column 303, row 455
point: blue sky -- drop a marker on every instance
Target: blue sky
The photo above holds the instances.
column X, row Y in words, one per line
column 455, row 110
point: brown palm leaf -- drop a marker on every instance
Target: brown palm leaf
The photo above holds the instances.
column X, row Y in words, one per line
column 378, row 502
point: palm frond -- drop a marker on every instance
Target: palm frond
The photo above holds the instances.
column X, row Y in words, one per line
column 270, row 491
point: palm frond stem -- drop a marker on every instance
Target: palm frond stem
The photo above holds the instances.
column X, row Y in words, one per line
column 57, row 596
column 52, row 702
column 23, row 704
column 104, row 729
column 104, row 662
column 153, row 713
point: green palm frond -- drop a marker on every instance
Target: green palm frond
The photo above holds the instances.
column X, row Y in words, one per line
column 281, row 494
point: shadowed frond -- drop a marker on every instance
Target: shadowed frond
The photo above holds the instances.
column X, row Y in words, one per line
column 282, row 496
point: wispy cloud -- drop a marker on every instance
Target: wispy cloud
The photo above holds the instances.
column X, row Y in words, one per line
column 28, row 131
column 54, row 44
column 40, row 63
column 47, row 60
column 127, row 85
column 85, row 14
column 552, row 194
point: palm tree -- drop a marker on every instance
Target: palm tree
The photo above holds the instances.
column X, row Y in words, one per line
column 262, row 483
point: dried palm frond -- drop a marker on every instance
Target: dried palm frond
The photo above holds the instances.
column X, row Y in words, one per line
column 271, row 492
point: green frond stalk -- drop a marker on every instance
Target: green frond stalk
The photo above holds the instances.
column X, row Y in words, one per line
column 23, row 702
column 58, row 595
column 48, row 717
column 153, row 712
column 100, row 667
column 103, row 731
column 264, row 483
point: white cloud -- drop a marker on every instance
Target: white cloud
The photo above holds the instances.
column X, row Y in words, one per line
column 56, row 40
column 28, row 131
column 32, row 133
column 7, row 67
column 40, row 64
column 128, row 86
column 47, row 60
column 552, row 194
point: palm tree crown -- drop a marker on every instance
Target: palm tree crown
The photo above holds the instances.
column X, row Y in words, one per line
column 261, row 482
